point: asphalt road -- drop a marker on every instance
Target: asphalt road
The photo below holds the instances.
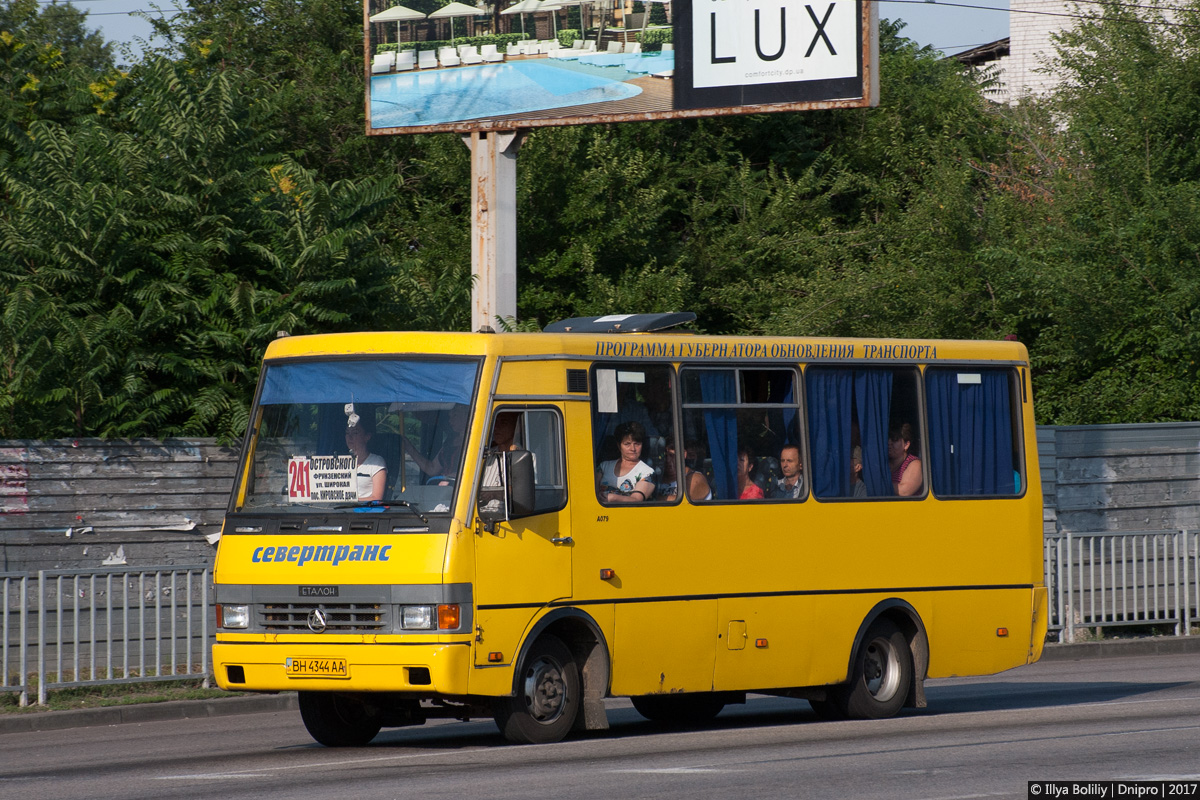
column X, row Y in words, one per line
column 1109, row 719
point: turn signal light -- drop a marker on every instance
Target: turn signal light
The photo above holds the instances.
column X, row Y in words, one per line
column 1002, row 632
column 495, row 658
column 607, row 574
column 448, row 617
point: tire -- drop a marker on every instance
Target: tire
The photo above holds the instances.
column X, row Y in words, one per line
column 547, row 697
column 337, row 720
column 882, row 675
column 679, row 709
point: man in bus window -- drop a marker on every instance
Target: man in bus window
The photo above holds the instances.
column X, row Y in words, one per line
column 858, row 488
column 791, row 485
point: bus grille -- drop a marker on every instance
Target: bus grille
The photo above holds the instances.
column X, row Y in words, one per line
column 339, row 617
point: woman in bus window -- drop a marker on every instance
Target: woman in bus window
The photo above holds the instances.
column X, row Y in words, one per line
column 747, row 488
column 626, row 479
column 903, row 462
column 696, row 484
column 370, row 471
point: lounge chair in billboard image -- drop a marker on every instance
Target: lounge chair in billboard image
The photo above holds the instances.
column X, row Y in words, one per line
column 383, row 62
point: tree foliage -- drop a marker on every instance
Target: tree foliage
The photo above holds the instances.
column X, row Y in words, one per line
column 159, row 226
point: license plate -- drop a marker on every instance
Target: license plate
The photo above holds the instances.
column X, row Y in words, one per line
column 316, row 667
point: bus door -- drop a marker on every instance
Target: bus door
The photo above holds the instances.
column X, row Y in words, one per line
column 522, row 564
column 640, row 564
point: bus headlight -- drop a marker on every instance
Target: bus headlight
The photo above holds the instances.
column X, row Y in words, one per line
column 417, row 618
column 233, row 616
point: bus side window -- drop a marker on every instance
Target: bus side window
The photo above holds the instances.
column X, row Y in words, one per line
column 974, row 434
column 632, row 401
column 851, row 411
column 540, row 431
column 747, row 421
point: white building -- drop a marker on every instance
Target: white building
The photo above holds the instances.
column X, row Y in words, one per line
column 1020, row 59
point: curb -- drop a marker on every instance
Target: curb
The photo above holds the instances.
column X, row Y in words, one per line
column 1122, row 648
column 146, row 712
column 262, row 703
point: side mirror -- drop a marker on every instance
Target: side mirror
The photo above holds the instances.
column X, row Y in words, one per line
column 507, row 490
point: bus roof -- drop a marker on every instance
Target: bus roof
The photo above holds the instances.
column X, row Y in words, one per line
column 681, row 346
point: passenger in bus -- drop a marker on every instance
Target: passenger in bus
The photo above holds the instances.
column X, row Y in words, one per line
column 504, row 435
column 441, row 465
column 858, row 487
column 747, row 488
column 791, row 485
column 626, row 479
column 903, row 461
column 698, row 489
column 370, row 471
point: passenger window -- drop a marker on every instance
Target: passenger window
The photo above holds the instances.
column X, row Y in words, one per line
column 540, row 431
column 742, row 432
column 974, row 431
column 633, row 431
column 864, row 429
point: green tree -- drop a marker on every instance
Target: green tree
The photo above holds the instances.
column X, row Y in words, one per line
column 1108, row 261
column 61, row 26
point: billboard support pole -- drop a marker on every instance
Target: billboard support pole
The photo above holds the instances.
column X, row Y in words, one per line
column 493, row 225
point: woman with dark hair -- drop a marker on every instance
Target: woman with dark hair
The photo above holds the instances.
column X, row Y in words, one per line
column 370, row 471
column 747, row 488
column 903, row 461
column 697, row 488
column 626, row 479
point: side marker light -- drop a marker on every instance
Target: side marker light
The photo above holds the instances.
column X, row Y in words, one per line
column 1002, row 632
column 760, row 642
column 495, row 658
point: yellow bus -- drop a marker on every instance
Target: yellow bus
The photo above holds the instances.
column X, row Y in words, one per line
column 520, row 525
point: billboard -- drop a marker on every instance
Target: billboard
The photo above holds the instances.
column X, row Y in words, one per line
column 714, row 57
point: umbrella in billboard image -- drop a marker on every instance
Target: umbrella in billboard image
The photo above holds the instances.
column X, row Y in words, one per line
column 524, row 7
column 553, row 6
column 397, row 14
column 455, row 10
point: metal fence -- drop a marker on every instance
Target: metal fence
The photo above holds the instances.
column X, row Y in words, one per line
column 131, row 625
column 105, row 626
column 14, row 651
column 1135, row 578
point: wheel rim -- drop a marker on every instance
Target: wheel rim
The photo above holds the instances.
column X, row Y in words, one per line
column 881, row 669
column 545, row 690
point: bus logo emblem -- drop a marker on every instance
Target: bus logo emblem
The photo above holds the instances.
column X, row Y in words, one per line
column 316, row 620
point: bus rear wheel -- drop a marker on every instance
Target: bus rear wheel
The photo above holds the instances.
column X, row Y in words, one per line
column 546, row 701
column 882, row 674
column 679, row 709
column 337, row 720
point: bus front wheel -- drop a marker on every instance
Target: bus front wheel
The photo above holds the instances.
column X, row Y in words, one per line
column 336, row 720
column 546, row 701
column 882, row 676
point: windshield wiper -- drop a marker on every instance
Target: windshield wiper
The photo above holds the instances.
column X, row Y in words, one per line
column 380, row 506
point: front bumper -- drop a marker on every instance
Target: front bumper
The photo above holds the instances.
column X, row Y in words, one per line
column 433, row 668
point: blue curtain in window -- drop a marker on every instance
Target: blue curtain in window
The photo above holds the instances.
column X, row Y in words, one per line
column 970, row 433
column 873, row 401
column 717, row 386
column 829, row 407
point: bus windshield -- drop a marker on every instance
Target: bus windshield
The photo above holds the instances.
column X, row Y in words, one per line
column 352, row 433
